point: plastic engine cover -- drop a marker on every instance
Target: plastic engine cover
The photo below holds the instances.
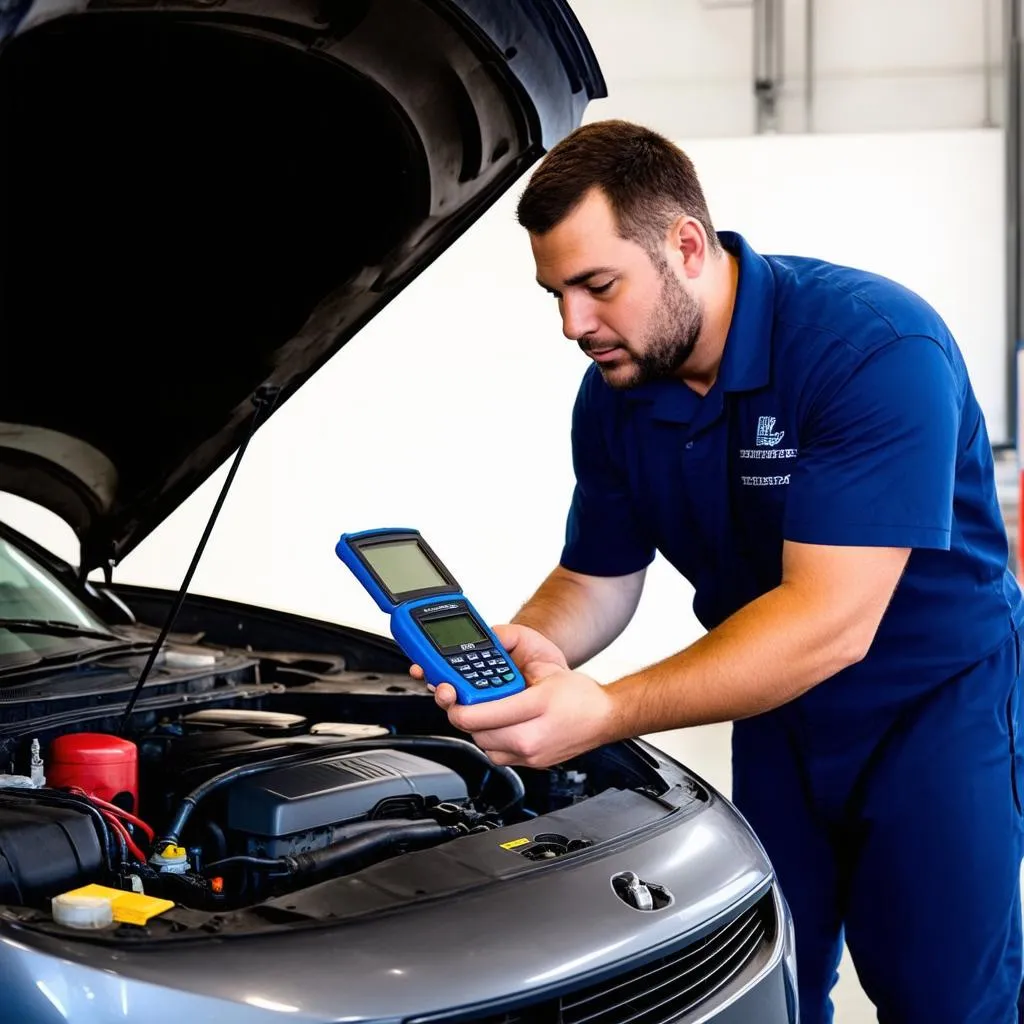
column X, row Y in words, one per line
column 347, row 787
column 45, row 849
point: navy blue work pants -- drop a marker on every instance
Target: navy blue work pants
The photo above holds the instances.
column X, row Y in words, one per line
column 909, row 842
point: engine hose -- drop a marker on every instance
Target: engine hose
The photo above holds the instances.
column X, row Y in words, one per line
column 219, row 840
column 339, row 834
column 128, row 845
column 122, row 844
column 124, row 815
column 350, row 852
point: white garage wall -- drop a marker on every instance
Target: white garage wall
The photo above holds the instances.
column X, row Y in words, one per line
column 686, row 66
column 925, row 208
column 450, row 412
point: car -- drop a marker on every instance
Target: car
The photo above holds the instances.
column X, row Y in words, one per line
column 213, row 811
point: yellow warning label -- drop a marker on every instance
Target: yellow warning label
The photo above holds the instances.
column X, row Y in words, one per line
column 129, row 907
column 513, row 843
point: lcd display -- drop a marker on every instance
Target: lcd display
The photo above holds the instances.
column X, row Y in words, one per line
column 403, row 567
column 453, row 631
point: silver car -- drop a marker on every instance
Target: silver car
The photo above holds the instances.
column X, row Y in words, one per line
column 217, row 812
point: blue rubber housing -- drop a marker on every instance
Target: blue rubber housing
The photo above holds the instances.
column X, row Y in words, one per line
column 409, row 635
column 418, row 648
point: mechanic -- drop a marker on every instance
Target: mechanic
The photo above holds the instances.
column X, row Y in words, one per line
column 802, row 442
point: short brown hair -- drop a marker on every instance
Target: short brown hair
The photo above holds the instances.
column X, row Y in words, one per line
column 648, row 180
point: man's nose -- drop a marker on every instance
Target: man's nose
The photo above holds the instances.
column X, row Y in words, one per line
column 578, row 317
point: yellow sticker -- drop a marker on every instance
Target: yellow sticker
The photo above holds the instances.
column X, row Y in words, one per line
column 513, row 843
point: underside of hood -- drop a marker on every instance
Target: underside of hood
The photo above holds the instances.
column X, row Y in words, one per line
column 200, row 203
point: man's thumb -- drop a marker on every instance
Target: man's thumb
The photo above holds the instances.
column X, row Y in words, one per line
column 445, row 696
column 537, row 671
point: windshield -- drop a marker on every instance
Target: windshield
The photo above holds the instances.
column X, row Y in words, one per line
column 28, row 591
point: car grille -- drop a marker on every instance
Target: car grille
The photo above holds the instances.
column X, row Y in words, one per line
column 663, row 989
column 669, row 987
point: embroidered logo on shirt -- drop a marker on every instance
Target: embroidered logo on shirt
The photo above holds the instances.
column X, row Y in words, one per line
column 764, row 481
column 765, row 435
column 767, row 448
column 767, row 442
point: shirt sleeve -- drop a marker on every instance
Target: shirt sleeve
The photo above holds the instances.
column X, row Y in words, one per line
column 877, row 461
column 604, row 536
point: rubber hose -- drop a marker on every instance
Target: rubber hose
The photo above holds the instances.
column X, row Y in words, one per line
column 351, row 852
column 339, row 834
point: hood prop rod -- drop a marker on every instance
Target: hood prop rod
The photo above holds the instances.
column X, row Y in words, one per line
column 264, row 398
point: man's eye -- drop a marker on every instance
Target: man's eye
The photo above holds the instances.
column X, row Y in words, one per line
column 598, row 289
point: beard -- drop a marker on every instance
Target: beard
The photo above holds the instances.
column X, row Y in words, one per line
column 668, row 339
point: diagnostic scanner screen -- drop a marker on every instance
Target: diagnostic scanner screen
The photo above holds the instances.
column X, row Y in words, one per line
column 402, row 566
column 453, row 630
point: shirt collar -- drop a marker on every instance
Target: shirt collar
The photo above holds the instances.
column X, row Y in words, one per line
column 746, row 359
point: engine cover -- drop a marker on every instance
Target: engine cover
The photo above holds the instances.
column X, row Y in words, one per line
column 45, row 848
column 343, row 788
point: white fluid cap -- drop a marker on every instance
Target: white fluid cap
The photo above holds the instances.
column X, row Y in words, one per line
column 82, row 911
column 189, row 659
column 349, row 730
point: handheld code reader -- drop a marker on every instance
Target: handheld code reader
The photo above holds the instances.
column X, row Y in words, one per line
column 431, row 619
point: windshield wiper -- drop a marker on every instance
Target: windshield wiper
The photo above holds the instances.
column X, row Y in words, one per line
column 57, row 627
column 14, row 664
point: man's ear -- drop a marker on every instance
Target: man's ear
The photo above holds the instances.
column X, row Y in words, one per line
column 687, row 246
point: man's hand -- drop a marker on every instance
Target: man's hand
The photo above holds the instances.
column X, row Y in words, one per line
column 524, row 645
column 559, row 715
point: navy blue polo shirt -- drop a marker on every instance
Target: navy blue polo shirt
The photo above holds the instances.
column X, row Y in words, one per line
column 842, row 414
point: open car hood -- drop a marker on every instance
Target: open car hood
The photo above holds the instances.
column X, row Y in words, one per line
column 201, row 202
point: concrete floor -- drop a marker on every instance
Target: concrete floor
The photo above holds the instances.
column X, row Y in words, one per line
column 705, row 750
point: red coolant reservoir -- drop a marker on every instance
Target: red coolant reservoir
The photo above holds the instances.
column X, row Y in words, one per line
column 102, row 765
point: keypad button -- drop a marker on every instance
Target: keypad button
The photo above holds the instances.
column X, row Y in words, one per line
column 457, row 660
column 472, row 657
column 481, row 684
column 470, row 675
column 487, row 672
column 501, row 666
column 509, row 677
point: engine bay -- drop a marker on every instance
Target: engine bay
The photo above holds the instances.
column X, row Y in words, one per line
column 226, row 809
column 254, row 770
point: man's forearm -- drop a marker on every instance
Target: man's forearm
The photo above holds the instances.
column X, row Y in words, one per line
column 768, row 653
column 582, row 614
